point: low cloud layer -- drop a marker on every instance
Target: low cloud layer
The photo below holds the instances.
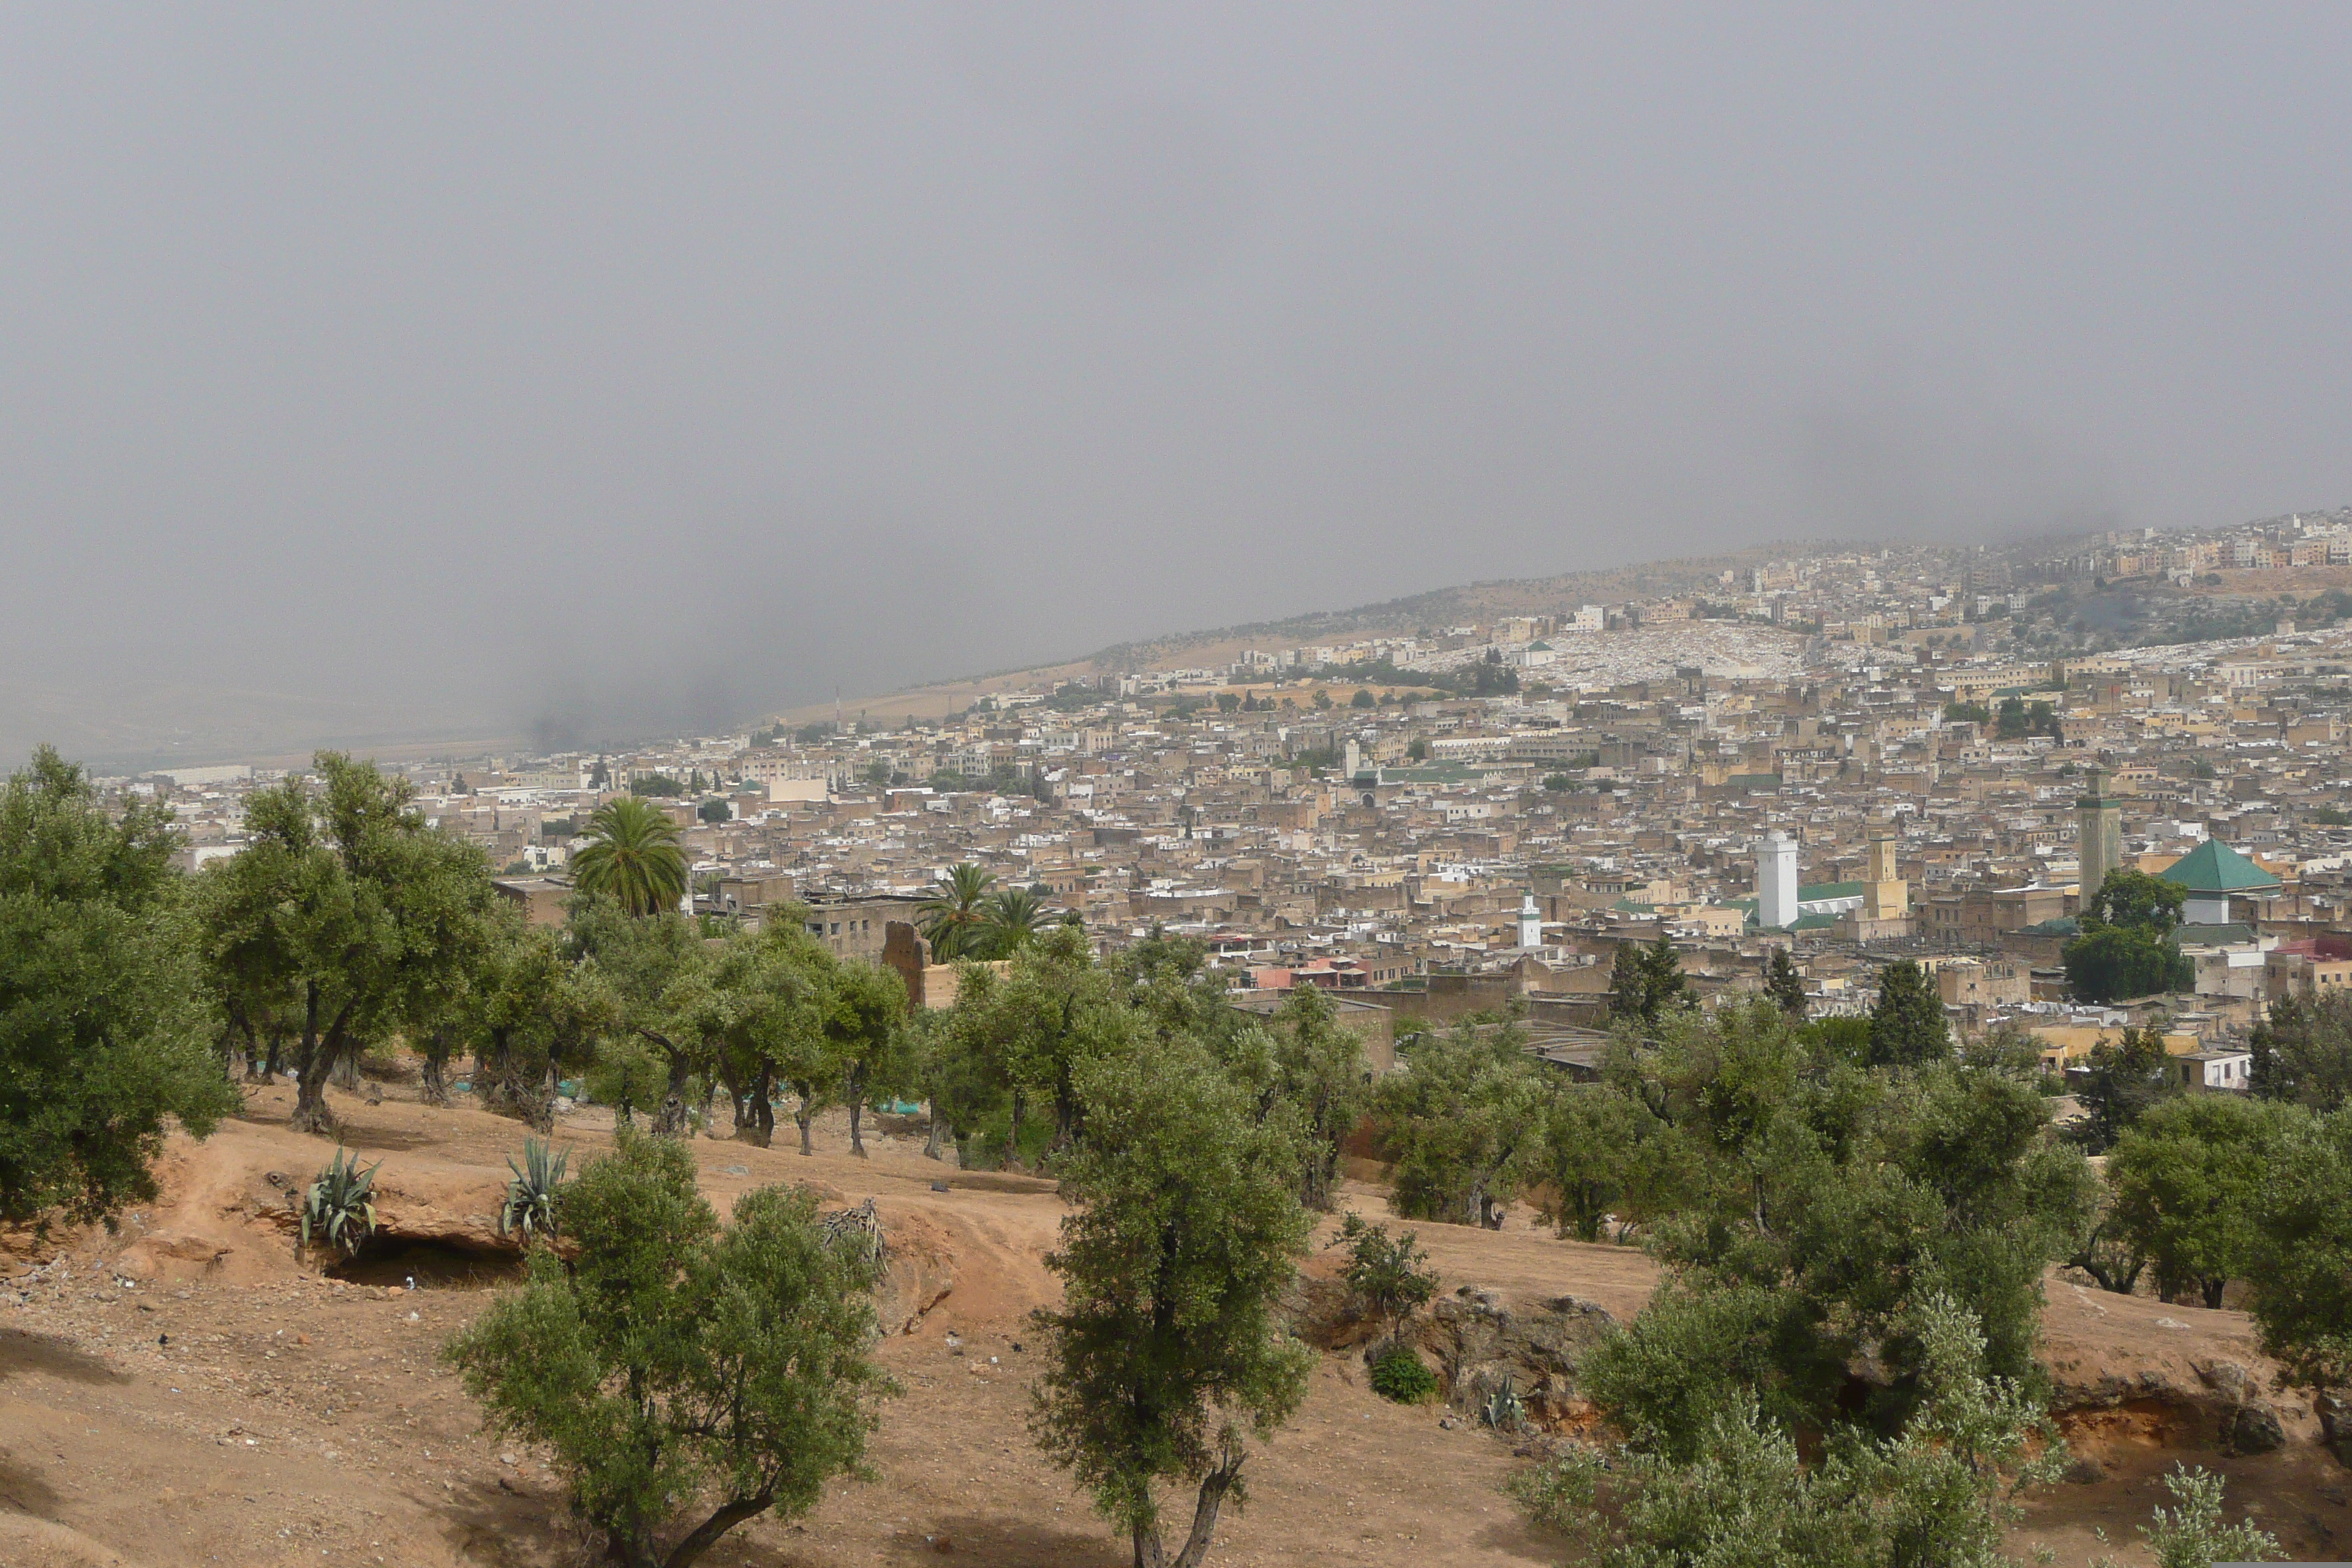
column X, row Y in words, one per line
column 444, row 372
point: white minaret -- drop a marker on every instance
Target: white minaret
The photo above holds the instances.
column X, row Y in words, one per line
column 1530, row 922
column 1776, row 881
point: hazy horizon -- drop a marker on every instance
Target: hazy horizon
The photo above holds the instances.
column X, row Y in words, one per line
column 580, row 373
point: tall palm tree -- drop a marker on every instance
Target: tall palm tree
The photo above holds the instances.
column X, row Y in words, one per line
column 632, row 856
column 954, row 916
column 1010, row 920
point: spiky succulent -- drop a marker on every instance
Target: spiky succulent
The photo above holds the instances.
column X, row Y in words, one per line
column 532, row 1196
column 340, row 1206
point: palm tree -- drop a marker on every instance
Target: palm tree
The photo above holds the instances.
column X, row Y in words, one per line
column 632, row 856
column 1010, row 919
column 954, row 915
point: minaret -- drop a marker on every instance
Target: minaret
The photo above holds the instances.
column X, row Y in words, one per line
column 2098, row 835
column 1530, row 922
column 1884, row 895
column 1776, row 881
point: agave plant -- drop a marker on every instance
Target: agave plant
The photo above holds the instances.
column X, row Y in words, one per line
column 340, row 1205
column 532, row 1196
column 1503, row 1409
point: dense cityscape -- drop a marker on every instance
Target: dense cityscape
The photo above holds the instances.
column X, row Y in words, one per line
column 1439, row 820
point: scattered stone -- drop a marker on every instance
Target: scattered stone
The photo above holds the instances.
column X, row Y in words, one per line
column 2086, row 1471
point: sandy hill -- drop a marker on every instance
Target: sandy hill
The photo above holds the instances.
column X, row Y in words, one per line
column 186, row 1391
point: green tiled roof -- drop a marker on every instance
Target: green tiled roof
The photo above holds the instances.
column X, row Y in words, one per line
column 2214, row 868
column 1821, row 890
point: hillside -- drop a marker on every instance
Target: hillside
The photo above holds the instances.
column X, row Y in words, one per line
column 186, row 1393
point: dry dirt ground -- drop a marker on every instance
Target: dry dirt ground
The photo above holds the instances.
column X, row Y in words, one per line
column 188, row 1392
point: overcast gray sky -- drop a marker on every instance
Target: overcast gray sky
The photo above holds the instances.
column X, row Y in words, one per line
column 621, row 369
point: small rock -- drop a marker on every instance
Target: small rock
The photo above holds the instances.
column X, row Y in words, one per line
column 739, row 1170
column 939, row 1186
column 1446, row 1423
column 2169, row 1323
column 507, row 1459
column 2255, row 1430
column 2086, row 1471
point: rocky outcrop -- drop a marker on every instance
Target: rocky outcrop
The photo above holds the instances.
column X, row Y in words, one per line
column 1479, row 1340
column 2221, row 1404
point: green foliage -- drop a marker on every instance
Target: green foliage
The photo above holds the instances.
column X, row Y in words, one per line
column 104, row 1034
column 1362, row 699
column 1784, row 986
column 1460, row 1125
column 1561, row 783
column 1758, row 1161
column 1907, row 1023
column 344, row 920
column 340, row 1204
column 2127, row 948
column 2192, row 1534
column 1401, row 1377
column 2303, row 1295
column 1583, row 1165
column 632, row 856
column 686, row 1378
column 1417, row 750
column 1010, row 920
column 955, row 916
column 1968, row 712
column 1736, row 1494
column 2014, row 719
column 1317, row 1080
column 658, row 787
column 1648, row 984
column 1167, row 1354
column 2303, row 1051
column 714, row 811
column 2137, row 901
column 533, row 1194
column 2189, row 1177
column 2120, row 1081
column 1031, row 1030
column 1387, row 1276
column 2329, row 817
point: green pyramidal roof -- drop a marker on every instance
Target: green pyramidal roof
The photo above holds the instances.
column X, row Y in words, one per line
column 2214, row 868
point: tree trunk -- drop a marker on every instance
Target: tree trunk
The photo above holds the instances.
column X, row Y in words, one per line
column 347, row 1070
column 316, row 1061
column 723, row 1519
column 276, row 1062
column 804, row 1112
column 2214, row 1288
column 755, row 1118
column 1213, row 1487
column 436, row 1070
column 932, row 1150
column 856, row 1139
column 669, row 1122
column 1013, row 1137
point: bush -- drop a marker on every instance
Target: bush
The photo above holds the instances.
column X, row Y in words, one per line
column 1399, row 1377
column 340, row 1204
column 687, row 1378
column 532, row 1196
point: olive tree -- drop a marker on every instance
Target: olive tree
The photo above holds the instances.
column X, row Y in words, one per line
column 1167, row 1354
column 104, row 1034
column 687, row 1378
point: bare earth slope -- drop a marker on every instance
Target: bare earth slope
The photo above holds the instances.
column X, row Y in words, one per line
column 185, row 1392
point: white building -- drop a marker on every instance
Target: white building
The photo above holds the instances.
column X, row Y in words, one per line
column 1776, row 881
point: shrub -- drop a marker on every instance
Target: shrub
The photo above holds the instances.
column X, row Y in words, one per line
column 1400, row 1376
column 532, row 1196
column 686, row 1378
column 340, row 1205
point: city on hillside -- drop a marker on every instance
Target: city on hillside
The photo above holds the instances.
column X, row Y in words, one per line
column 1852, row 757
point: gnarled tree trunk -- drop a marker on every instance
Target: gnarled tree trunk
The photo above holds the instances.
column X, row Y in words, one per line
column 1148, row 1553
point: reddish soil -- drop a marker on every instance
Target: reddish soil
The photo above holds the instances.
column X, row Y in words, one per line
column 188, row 1392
